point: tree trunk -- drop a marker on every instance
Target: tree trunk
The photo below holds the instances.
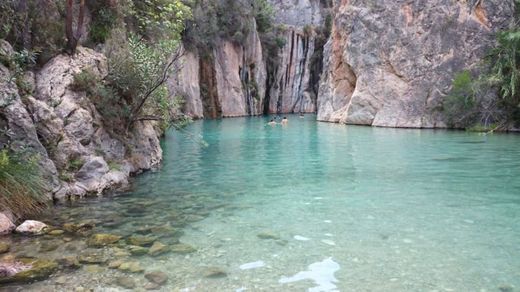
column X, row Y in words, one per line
column 73, row 38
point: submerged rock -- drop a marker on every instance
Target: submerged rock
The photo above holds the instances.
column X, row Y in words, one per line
column 6, row 225
column 70, row 262
column 137, row 250
column 92, row 258
column 158, row 249
column 26, row 270
column 32, row 227
column 506, row 288
column 141, row 240
column 56, row 232
column 157, row 277
column 115, row 264
column 183, row 248
column 268, row 235
column 214, row 272
column 133, row 267
column 125, row 282
column 4, row 247
column 49, row 246
column 100, row 240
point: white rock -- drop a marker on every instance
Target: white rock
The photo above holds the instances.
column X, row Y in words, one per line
column 253, row 265
column 31, row 227
column 329, row 242
column 322, row 273
column 301, row 238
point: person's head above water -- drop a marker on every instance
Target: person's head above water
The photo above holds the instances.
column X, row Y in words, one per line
column 285, row 118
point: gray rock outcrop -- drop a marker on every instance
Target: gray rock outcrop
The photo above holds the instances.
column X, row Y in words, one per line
column 389, row 63
column 78, row 154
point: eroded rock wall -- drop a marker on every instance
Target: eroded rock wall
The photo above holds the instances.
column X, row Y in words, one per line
column 235, row 79
column 79, row 155
column 390, row 63
column 291, row 89
column 240, row 76
column 227, row 81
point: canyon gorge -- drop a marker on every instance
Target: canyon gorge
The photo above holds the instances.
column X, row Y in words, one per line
column 385, row 63
column 379, row 63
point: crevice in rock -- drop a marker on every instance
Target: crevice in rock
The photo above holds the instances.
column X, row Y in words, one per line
column 208, row 88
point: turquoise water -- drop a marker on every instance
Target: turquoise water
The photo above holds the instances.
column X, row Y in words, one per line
column 344, row 208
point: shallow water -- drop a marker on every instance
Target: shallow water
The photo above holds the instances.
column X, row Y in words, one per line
column 314, row 207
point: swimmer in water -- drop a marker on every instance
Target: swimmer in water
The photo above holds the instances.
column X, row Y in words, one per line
column 285, row 121
column 272, row 123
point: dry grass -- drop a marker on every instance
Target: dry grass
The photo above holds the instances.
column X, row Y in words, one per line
column 21, row 187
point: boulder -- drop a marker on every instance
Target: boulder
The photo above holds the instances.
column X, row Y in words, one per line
column 32, row 227
column 6, row 225
column 391, row 63
column 101, row 239
column 26, row 270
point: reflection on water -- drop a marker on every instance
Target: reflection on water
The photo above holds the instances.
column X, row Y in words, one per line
column 340, row 208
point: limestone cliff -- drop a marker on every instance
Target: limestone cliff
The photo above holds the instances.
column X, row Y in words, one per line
column 78, row 153
column 227, row 82
column 237, row 79
column 389, row 63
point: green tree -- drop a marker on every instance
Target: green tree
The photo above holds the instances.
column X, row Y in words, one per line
column 505, row 71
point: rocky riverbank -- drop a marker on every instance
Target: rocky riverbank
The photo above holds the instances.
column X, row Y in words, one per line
column 77, row 247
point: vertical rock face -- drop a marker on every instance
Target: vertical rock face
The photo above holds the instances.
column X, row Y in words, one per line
column 290, row 89
column 299, row 13
column 389, row 63
column 236, row 80
column 227, row 82
column 240, row 77
column 186, row 84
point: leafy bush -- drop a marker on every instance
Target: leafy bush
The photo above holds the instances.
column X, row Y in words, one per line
column 103, row 20
column 505, row 72
column 21, row 185
column 264, row 15
column 280, row 41
column 86, row 81
column 459, row 105
column 228, row 19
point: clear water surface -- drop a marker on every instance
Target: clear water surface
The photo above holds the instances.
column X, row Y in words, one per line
column 320, row 207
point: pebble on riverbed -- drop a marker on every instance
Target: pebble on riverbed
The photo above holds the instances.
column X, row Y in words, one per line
column 100, row 240
column 158, row 249
column 157, row 277
column 125, row 282
column 182, row 248
column 268, row 235
column 133, row 267
column 214, row 272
